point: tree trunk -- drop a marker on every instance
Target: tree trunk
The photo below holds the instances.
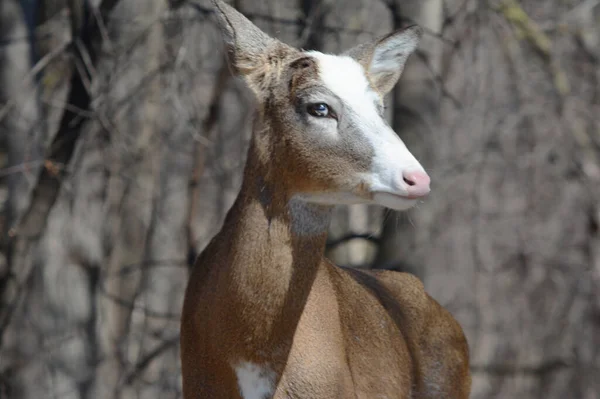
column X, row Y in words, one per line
column 415, row 106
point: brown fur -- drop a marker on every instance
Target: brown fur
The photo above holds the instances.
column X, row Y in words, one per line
column 262, row 292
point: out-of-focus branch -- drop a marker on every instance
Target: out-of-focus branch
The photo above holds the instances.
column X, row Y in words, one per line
column 143, row 363
column 29, row 226
column 314, row 22
column 63, row 145
column 415, row 104
column 438, row 79
column 131, row 306
column 302, row 23
column 37, row 68
column 535, row 36
column 401, row 19
column 508, row 369
column 208, row 127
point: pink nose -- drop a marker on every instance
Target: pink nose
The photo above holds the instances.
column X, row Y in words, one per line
column 417, row 183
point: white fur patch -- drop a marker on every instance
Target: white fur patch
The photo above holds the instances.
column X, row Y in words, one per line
column 347, row 79
column 255, row 381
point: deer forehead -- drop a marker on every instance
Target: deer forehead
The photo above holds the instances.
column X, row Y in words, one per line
column 347, row 79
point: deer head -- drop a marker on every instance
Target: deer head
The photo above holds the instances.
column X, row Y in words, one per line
column 321, row 134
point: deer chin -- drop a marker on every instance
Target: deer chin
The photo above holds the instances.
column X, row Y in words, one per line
column 393, row 201
column 397, row 202
column 332, row 199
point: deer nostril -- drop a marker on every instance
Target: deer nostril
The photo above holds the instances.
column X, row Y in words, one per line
column 409, row 181
column 416, row 183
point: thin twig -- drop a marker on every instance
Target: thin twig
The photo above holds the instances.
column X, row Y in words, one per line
column 283, row 21
column 142, row 364
column 199, row 152
column 37, row 68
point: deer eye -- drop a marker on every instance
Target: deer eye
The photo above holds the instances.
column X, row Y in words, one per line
column 320, row 110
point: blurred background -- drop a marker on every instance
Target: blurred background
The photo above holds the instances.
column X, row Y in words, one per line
column 123, row 138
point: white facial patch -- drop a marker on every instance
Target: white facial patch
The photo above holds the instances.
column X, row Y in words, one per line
column 346, row 78
column 255, row 381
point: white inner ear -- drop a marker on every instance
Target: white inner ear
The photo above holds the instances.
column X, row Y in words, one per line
column 391, row 54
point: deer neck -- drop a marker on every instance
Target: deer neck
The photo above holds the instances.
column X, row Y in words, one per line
column 274, row 247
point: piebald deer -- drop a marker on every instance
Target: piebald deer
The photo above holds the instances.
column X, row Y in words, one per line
column 265, row 314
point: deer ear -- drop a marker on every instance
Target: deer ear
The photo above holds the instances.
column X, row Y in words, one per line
column 246, row 43
column 384, row 58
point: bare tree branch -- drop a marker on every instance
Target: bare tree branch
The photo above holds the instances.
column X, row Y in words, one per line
column 28, row 227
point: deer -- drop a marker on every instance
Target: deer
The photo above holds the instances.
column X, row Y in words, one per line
column 265, row 314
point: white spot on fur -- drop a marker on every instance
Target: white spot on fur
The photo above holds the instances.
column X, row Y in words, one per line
column 255, row 381
column 347, row 79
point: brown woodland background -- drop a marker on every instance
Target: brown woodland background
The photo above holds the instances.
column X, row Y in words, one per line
column 122, row 141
